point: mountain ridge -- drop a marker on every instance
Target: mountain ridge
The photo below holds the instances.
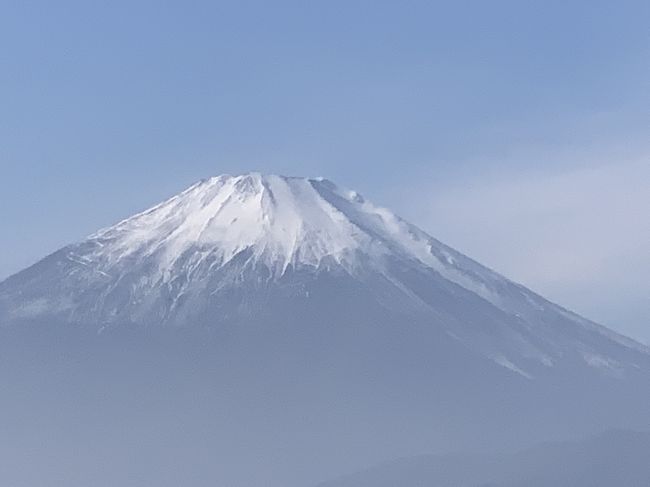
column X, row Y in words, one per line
column 610, row 458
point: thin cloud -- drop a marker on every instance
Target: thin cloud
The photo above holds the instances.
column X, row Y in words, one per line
column 579, row 236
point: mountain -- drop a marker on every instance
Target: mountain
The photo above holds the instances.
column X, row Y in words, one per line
column 613, row 458
column 228, row 249
column 267, row 330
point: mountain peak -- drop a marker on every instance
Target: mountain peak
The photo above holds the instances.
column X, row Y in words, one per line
column 282, row 221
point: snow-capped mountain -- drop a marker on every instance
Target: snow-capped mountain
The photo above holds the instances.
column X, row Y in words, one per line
column 272, row 331
column 230, row 248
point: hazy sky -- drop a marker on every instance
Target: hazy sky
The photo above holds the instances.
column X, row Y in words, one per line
column 515, row 131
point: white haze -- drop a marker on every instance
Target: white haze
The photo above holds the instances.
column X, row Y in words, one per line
column 579, row 235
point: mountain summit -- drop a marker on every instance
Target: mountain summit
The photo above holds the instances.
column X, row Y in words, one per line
column 278, row 222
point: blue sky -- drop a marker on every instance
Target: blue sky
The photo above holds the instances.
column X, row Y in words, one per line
column 515, row 131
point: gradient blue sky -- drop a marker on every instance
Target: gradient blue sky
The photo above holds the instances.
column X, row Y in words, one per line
column 516, row 131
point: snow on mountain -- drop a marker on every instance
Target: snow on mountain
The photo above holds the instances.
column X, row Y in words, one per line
column 239, row 239
column 282, row 221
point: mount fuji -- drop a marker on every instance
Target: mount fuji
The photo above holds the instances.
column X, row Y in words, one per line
column 294, row 324
column 230, row 249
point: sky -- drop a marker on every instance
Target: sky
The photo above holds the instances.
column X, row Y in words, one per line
column 515, row 131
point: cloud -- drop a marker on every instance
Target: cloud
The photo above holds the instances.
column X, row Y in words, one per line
column 580, row 236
